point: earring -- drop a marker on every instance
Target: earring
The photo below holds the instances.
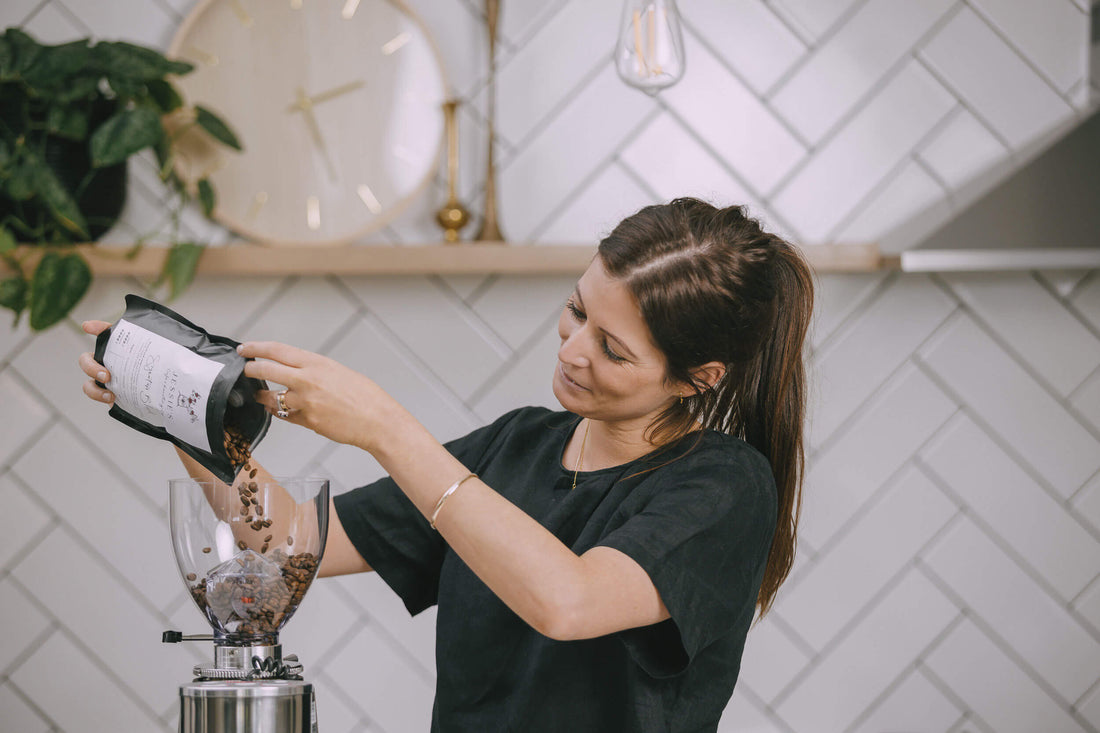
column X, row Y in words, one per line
column 681, row 398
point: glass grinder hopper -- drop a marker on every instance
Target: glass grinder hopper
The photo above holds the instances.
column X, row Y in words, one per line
column 247, row 554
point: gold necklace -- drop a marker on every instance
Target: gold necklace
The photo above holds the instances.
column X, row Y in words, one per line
column 580, row 458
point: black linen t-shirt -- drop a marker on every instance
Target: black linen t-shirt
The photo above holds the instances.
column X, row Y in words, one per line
column 697, row 516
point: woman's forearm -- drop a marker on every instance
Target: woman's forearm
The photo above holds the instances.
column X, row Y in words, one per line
column 541, row 579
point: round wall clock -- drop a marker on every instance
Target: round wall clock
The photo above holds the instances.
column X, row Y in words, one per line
column 338, row 104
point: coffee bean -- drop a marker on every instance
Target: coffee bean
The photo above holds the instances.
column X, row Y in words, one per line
column 244, row 510
column 289, row 540
column 253, row 472
column 264, row 548
column 259, row 508
column 267, row 539
column 191, row 576
column 206, row 550
column 242, row 544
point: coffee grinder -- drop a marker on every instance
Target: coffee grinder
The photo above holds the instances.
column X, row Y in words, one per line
column 247, row 554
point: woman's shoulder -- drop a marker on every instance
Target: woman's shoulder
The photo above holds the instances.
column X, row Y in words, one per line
column 716, row 450
column 534, row 417
column 709, row 463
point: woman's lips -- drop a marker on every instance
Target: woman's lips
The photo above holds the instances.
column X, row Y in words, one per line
column 567, row 380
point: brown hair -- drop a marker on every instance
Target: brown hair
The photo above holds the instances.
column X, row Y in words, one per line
column 713, row 286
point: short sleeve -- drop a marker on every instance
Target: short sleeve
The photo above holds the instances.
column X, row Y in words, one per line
column 394, row 537
column 703, row 538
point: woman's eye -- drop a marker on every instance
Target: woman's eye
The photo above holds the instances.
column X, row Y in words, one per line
column 611, row 354
column 574, row 310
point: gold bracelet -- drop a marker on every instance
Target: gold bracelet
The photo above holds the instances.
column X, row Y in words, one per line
column 450, row 490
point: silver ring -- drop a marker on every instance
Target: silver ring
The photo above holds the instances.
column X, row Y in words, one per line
column 280, row 399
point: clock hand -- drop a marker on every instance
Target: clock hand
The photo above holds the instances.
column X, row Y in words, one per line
column 316, row 99
column 305, row 105
column 336, row 92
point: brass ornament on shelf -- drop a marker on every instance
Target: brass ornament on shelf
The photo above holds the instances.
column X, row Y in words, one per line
column 490, row 229
column 453, row 216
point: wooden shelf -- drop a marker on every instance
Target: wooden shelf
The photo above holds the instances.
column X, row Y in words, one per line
column 250, row 259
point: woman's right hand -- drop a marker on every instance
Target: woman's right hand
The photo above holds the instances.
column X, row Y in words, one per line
column 94, row 369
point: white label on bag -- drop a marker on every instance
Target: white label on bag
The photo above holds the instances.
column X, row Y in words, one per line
column 159, row 381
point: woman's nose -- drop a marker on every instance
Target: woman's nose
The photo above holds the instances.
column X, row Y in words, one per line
column 571, row 350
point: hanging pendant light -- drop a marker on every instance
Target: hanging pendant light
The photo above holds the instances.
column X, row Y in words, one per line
column 649, row 54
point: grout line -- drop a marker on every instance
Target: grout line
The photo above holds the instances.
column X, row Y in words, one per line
column 962, row 100
column 72, row 17
column 472, row 318
column 332, row 687
column 597, row 170
column 845, row 631
column 878, row 393
column 1016, row 357
column 763, row 706
column 792, row 636
column 999, row 641
column 755, row 93
column 33, row 12
column 1009, row 450
column 1019, row 52
column 507, row 365
column 857, row 309
column 813, row 46
column 486, row 284
column 1000, row 542
column 1066, row 304
column 945, row 689
column 365, row 618
column 18, row 692
column 912, row 157
column 798, row 33
column 1083, row 283
column 1073, row 498
column 52, row 625
column 1071, row 397
column 426, row 373
column 31, row 545
column 266, row 303
column 567, row 98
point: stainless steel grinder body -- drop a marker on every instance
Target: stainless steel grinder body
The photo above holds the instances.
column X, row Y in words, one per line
column 237, row 706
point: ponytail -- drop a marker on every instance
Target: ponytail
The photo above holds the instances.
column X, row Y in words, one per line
column 713, row 286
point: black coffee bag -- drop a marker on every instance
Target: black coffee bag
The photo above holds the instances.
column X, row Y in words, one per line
column 173, row 380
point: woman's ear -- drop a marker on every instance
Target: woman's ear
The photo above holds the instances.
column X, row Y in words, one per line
column 710, row 374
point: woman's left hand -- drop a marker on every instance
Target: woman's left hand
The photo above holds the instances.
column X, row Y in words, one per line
column 322, row 394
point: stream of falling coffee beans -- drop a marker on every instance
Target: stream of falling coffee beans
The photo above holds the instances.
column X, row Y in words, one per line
column 259, row 602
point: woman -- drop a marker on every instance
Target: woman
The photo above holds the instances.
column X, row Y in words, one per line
column 595, row 569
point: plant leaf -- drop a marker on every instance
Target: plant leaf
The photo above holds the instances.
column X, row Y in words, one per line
column 123, row 134
column 58, row 200
column 216, row 127
column 59, row 282
column 68, row 121
column 179, row 267
column 53, row 65
column 82, row 87
column 13, row 294
column 20, row 183
column 207, row 197
column 7, row 242
column 118, row 59
column 24, row 50
column 165, row 95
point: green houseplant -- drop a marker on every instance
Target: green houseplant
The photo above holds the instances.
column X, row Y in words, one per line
column 70, row 117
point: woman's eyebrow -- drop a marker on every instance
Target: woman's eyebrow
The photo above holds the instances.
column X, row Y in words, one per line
column 613, row 337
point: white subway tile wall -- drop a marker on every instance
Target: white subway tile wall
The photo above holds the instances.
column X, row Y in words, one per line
column 948, row 577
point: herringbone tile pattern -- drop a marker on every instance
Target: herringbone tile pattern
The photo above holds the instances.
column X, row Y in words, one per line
column 948, row 578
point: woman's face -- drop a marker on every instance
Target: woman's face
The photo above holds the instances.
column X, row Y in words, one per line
column 608, row 367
